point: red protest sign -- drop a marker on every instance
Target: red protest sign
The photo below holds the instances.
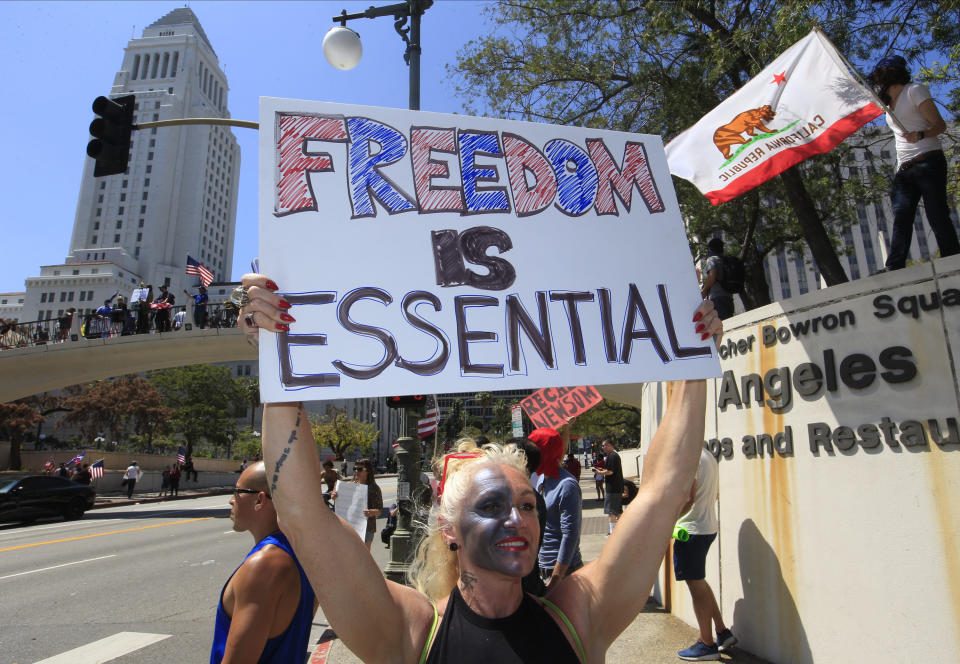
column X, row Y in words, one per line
column 555, row 406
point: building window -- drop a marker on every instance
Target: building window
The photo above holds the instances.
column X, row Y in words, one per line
column 136, row 252
column 146, row 182
column 123, row 197
column 139, row 237
column 140, row 224
column 99, row 211
column 100, row 198
column 124, row 184
column 144, row 195
column 120, row 210
column 96, row 225
column 43, row 298
column 149, row 156
column 103, row 185
column 116, row 238
column 149, row 168
column 119, row 223
column 75, row 272
column 83, row 296
column 63, row 296
column 143, row 209
column 93, row 240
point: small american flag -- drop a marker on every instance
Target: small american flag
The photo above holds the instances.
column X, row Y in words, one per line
column 78, row 458
column 201, row 270
column 427, row 425
column 96, row 470
column 181, row 455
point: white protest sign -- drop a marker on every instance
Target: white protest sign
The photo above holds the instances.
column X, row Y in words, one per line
column 351, row 501
column 427, row 253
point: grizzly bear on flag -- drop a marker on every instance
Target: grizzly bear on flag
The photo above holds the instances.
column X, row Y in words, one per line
column 748, row 121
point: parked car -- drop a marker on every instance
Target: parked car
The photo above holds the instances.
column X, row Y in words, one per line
column 30, row 498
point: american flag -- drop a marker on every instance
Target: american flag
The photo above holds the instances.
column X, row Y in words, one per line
column 78, row 458
column 201, row 270
column 96, row 470
column 181, row 455
column 427, row 425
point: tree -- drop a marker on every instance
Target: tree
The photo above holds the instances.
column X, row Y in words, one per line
column 484, row 399
column 15, row 418
column 250, row 390
column 658, row 67
column 114, row 405
column 204, row 399
column 609, row 419
column 341, row 433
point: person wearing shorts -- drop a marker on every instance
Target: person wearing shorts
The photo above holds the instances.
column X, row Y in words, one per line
column 690, row 559
column 612, row 484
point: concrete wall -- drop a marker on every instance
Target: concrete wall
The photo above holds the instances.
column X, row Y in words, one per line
column 840, row 531
column 33, row 460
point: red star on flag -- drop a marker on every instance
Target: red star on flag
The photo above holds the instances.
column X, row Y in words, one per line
column 779, row 78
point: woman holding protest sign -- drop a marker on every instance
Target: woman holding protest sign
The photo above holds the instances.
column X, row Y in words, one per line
column 467, row 604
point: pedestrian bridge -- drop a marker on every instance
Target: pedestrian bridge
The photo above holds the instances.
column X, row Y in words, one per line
column 42, row 368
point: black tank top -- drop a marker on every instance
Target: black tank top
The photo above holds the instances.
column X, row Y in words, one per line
column 529, row 636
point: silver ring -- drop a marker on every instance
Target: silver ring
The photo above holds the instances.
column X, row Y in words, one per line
column 248, row 319
column 240, row 297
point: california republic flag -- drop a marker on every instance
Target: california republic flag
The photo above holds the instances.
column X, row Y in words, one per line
column 804, row 103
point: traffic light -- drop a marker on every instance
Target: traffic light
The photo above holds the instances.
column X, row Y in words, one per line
column 410, row 401
column 110, row 146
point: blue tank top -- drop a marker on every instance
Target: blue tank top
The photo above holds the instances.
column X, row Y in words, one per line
column 292, row 644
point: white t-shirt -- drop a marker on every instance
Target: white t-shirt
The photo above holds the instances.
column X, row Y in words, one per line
column 133, row 473
column 702, row 517
column 908, row 112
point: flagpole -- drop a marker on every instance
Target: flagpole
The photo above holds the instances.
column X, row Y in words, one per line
column 863, row 82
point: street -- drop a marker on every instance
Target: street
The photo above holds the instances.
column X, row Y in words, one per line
column 142, row 581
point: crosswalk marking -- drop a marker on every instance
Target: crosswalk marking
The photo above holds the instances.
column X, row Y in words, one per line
column 106, row 649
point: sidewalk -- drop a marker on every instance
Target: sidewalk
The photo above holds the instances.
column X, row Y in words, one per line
column 654, row 637
column 119, row 498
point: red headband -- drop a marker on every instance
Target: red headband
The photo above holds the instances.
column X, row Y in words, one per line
column 446, row 461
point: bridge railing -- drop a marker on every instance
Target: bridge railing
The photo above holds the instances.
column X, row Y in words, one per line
column 120, row 322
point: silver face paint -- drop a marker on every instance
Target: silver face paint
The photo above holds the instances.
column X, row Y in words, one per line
column 499, row 522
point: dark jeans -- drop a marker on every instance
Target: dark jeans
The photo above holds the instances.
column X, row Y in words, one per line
column 200, row 316
column 928, row 180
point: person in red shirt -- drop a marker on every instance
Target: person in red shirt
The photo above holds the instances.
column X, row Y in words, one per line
column 572, row 466
column 598, row 465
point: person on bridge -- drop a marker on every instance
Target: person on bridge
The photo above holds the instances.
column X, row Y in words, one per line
column 200, row 300
column 481, row 542
column 266, row 607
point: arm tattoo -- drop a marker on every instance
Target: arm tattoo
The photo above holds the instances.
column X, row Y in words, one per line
column 286, row 451
column 467, row 579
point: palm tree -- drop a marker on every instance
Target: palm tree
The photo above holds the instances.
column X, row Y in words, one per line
column 484, row 399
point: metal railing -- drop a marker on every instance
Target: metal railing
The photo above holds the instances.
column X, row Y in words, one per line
column 121, row 322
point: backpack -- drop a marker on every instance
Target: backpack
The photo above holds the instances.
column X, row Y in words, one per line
column 732, row 274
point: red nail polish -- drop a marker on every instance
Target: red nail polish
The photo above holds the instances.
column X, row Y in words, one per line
column 282, row 327
column 697, row 316
column 283, row 304
column 272, row 285
column 288, row 318
column 700, row 328
column 703, row 337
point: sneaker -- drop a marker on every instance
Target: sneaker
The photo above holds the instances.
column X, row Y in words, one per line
column 699, row 652
column 726, row 639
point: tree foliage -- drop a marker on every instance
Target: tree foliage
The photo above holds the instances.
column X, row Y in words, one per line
column 15, row 418
column 204, row 399
column 342, row 433
column 609, row 419
column 657, row 67
column 116, row 406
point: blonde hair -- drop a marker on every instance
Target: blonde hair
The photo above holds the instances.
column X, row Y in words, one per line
column 434, row 570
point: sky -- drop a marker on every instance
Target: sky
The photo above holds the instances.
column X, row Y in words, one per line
column 58, row 56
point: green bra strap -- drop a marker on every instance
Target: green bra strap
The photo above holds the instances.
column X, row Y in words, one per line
column 433, row 632
column 566, row 621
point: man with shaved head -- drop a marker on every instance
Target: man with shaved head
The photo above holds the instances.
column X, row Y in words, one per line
column 266, row 607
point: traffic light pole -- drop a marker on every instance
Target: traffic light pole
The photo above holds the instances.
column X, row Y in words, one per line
column 226, row 122
column 410, row 496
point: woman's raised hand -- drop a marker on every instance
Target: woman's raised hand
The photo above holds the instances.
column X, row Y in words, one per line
column 261, row 307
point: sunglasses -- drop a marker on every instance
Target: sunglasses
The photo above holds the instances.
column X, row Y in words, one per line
column 237, row 491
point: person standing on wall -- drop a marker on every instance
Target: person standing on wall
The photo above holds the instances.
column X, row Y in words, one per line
column 921, row 164
column 711, row 288
column 690, row 560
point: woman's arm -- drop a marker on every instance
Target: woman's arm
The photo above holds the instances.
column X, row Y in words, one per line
column 353, row 596
column 606, row 595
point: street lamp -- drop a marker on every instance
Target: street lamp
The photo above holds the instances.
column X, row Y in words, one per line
column 343, row 50
column 376, row 449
